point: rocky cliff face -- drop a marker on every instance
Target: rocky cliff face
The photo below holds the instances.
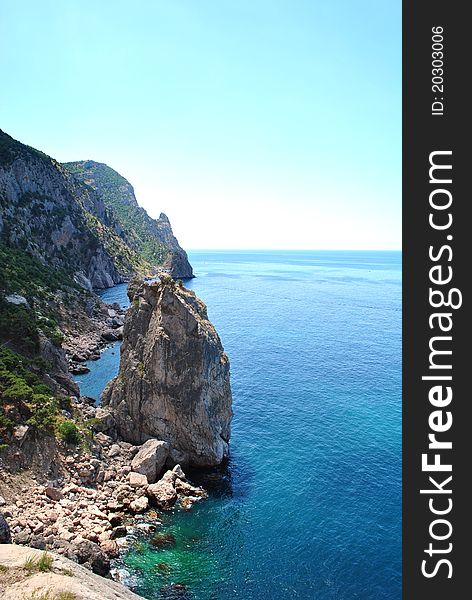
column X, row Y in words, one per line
column 47, row 215
column 176, row 260
column 60, row 238
column 82, row 218
column 152, row 238
column 173, row 383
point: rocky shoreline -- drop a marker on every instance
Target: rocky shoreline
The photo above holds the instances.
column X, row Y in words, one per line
column 88, row 346
column 82, row 499
column 101, row 491
column 101, row 495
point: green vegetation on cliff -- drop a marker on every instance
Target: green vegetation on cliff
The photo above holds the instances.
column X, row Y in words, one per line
column 126, row 259
column 21, row 324
column 24, row 398
column 64, row 231
column 118, row 195
column 10, row 149
column 24, row 274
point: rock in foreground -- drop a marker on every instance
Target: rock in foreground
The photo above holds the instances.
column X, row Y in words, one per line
column 173, row 383
column 64, row 579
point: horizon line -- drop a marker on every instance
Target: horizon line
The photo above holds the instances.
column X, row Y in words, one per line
column 293, row 249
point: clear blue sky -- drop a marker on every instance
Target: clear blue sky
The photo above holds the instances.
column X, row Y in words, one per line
column 251, row 123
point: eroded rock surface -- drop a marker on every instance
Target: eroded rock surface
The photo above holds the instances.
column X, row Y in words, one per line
column 174, row 379
column 64, row 579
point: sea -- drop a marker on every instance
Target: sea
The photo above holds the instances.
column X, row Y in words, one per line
column 309, row 506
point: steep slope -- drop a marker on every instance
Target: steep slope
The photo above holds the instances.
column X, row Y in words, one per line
column 174, row 378
column 152, row 238
column 48, row 214
column 58, row 242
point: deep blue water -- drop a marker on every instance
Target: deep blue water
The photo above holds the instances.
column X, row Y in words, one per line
column 310, row 506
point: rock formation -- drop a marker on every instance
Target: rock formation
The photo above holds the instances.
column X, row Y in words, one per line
column 81, row 219
column 49, row 216
column 173, row 384
column 5, row 535
column 152, row 238
column 150, row 459
column 66, row 230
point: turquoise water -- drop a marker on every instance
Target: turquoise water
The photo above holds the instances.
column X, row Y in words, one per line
column 310, row 505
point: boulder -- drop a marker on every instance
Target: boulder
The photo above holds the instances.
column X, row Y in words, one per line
column 137, row 479
column 150, row 459
column 115, row 518
column 118, row 532
column 90, row 554
column 111, row 335
column 183, row 488
column 5, row 535
column 110, row 548
column 177, row 470
column 104, row 420
column 115, row 450
column 139, row 505
column 54, row 493
column 162, row 493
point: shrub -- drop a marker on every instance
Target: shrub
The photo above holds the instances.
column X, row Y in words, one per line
column 22, row 393
column 69, row 432
column 26, row 275
column 45, row 562
column 18, row 391
column 45, row 410
column 18, row 326
column 6, row 423
column 166, row 279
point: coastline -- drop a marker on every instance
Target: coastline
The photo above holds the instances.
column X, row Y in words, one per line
column 243, row 511
column 83, row 502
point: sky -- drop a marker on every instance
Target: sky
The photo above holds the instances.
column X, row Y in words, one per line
column 258, row 124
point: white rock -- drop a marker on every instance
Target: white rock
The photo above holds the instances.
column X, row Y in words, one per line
column 16, row 299
column 137, row 479
column 150, row 459
column 178, row 472
column 139, row 505
column 114, row 450
column 163, row 493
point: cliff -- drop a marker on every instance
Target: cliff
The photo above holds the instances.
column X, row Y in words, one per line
column 173, row 383
column 49, row 216
column 82, row 218
column 64, row 484
column 61, row 238
column 152, row 238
